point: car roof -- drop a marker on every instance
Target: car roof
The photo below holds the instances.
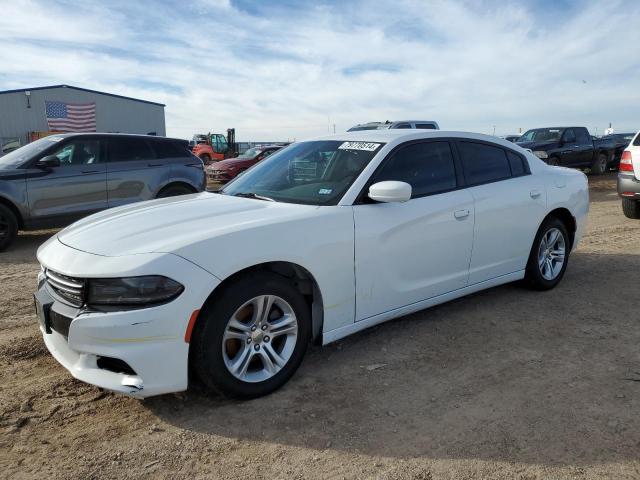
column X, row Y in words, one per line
column 400, row 135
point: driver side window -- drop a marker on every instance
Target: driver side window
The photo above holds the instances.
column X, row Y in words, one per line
column 79, row 152
column 427, row 167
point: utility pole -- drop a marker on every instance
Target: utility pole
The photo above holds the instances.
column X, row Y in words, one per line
column 494, row 130
column 334, row 128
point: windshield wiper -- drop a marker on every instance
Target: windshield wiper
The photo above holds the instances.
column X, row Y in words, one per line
column 253, row 195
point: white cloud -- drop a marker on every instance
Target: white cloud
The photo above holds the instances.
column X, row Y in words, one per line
column 288, row 73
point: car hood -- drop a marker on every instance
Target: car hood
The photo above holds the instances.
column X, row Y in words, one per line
column 537, row 145
column 232, row 162
column 170, row 224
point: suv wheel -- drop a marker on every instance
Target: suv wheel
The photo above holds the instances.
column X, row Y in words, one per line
column 251, row 340
column 631, row 208
column 8, row 227
column 549, row 255
column 174, row 191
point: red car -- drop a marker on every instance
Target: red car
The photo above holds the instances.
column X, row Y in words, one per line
column 225, row 170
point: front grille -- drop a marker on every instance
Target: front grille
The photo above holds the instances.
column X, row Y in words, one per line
column 67, row 288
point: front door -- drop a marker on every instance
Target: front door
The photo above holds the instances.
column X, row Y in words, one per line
column 412, row 251
column 76, row 188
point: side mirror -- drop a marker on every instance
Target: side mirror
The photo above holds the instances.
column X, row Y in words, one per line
column 50, row 161
column 390, row 191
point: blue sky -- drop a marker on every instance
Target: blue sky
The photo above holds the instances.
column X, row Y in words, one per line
column 291, row 69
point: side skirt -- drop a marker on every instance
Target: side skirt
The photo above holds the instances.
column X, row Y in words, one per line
column 338, row 333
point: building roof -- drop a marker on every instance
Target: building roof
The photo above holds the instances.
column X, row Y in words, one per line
column 82, row 90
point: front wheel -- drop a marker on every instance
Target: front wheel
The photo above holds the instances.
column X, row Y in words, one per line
column 174, row 191
column 251, row 340
column 549, row 255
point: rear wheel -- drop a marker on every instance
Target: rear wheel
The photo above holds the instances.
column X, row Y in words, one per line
column 251, row 340
column 631, row 208
column 600, row 165
column 8, row 227
column 549, row 255
column 174, row 191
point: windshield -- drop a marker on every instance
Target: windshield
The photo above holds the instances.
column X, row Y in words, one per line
column 251, row 153
column 540, row 135
column 18, row 157
column 311, row 173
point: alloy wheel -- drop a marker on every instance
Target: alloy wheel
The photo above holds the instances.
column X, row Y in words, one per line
column 259, row 338
column 551, row 254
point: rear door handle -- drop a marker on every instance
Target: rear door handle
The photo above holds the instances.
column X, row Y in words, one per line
column 154, row 165
column 461, row 213
column 90, row 171
column 535, row 193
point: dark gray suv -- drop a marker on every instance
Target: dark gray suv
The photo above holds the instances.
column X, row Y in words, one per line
column 58, row 179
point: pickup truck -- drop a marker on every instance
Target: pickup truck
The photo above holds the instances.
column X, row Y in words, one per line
column 569, row 147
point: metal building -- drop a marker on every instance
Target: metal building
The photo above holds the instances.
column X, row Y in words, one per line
column 24, row 113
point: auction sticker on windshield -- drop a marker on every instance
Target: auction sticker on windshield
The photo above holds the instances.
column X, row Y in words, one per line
column 366, row 146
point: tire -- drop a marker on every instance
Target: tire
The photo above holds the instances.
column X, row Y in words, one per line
column 631, row 208
column 174, row 191
column 554, row 161
column 225, row 335
column 539, row 274
column 600, row 165
column 8, row 227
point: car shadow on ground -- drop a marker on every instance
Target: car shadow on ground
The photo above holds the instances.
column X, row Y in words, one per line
column 25, row 246
column 507, row 374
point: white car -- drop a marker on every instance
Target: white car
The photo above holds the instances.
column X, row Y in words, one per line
column 323, row 239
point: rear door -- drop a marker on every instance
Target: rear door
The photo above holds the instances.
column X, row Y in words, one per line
column 510, row 203
column 74, row 189
column 570, row 152
column 584, row 148
column 134, row 172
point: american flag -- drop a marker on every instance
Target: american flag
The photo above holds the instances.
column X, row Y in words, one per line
column 71, row 117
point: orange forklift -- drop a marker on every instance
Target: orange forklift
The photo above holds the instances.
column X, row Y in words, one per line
column 212, row 147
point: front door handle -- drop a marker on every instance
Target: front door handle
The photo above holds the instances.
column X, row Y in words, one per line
column 461, row 213
column 535, row 193
column 154, row 165
column 90, row 171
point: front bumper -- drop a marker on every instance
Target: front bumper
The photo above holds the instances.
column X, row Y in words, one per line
column 149, row 342
column 628, row 186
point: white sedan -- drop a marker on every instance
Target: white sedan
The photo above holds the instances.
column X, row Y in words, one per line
column 323, row 239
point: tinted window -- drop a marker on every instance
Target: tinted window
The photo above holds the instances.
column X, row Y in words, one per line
column 483, row 163
column 427, row 167
column 169, row 149
column 78, row 152
column 402, row 125
column 129, row 149
column 517, row 164
column 569, row 136
column 426, row 126
column 636, row 142
column 582, row 136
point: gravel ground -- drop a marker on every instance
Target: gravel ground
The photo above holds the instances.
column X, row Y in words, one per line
column 506, row 383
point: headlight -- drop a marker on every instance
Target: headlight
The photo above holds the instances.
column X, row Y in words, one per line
column 541, row 154
column 135, row 291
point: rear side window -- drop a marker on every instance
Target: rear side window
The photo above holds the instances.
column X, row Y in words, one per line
column 129, row 149
column 169, row 149
column 427, row 167
column 636, row 142
column 582, row 136
column 483, row 163
column 402, row 125
column 569, row 136
column 426, row 126
column 517, row 164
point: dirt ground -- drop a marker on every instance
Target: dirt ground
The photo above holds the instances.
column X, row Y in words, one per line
column 506, row 383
